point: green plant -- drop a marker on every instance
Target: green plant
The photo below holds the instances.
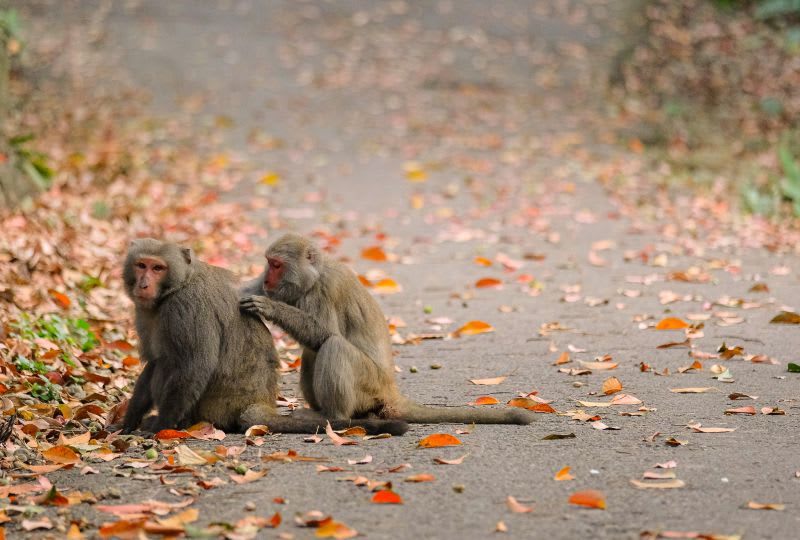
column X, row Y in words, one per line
column 790, row 183
column 9, row 24
column 34, row 366
column 72, row 332
column 31, row 162
column 769, row 9
column 45, row 391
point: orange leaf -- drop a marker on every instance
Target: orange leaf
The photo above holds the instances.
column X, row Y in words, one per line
column 60, row 298
column 122, row 529
column 387, row 496
column 486, row 400
column 421, row 478
column 589, row 498
column 483, row 261
column 334, row 529
column 671, row 323
column 249, row 476
column 522, row 403
column 374, row 253
column 166, row 434
column 488, row 282
column 563, row 474
column 364, row 281
column 611, row 386
column 386, row 286
column 439, row 439
column 61, row 454
column 542, row 408
column 474, row 327
column 516, row 507
column 562, row 359
column 275, row 520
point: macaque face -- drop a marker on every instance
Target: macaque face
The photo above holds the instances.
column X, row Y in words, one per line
column 150, row 273
column 275, row 269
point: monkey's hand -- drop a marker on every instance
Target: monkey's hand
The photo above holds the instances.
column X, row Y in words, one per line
column 258, row 305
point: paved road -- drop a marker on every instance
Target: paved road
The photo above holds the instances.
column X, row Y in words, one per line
column 502, row 105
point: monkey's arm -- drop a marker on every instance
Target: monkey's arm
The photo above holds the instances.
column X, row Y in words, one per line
column 307, row 330
column 141, row 401
column 252, row 287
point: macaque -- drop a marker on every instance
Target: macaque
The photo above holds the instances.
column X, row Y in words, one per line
column 204, row 359
column 347, row 370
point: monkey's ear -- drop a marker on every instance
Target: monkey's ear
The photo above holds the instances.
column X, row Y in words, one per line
column 134, row 243
column 188, row 255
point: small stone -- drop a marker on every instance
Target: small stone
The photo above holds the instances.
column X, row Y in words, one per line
column 458, row 488
column 413, row 369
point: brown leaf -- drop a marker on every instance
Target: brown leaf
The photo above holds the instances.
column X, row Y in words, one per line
column 765, row 506
column 488, row 382
column 786, row 317
column 456, row 461
column 667, row 484
column 61, row 454
column 611, row 386
column 249, row 476
column 336, row 439
column 421, row 478
column 741, row 410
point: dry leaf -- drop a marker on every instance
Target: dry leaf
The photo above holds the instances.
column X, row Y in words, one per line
column 456, row 461
column 386, row 496
column 488, row 382
column 611, row 386
column 667, row 484
column 374, row 253
column 336, row 439
column 516, row 507
column 692, row 390
column 485, row 400
column 61, row 454
column 589, row 498
column 421, row 478
column 749, row 409
column 187, row 456
column 563, row 474
column 485, row 283
column 765, row 506
column 671, row 323
column 474, row 327
column 438, row 440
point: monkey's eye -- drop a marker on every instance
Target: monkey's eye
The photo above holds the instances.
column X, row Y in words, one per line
column 159, row 268
column 275, row 264
column 141, row 265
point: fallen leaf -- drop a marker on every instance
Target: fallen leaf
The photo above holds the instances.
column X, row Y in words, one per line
column 765, row 506
column 167, row 434
column 249, row 476
column 671, row 323
column 516, row 507
column 187, row 456
column 672, row 441
column 659, row 475
column 598, row 366
column 562, row 359
column 336, row 439
column 772, row 410
column 666, row 465
column 563, row 474
column 420, row 478
column 698, row 428
column 625, row 399
column 486, row 283
column 386, row 496
column 363, row 461
column 374, row 253
column 456, row 461
column 61, row 454
column 488, row 382
column 692, row 390
column 611, row 386
column 667, row 484
column 386, row 286
column 500, row 527
column 483, row 261
column 474, row 327
column 335, row 529
column 589, row 498
column 61, row 299
column 741, row 410
column 786, row 317
column 485, row 400
column 558, row 436
column 438, row 440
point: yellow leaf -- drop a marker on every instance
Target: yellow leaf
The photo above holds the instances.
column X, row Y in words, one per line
column 270, row 178
column 611, row 386
column 415, row 172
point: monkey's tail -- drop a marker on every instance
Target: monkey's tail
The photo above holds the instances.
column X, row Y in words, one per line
column 422, row 414
column 373, row 426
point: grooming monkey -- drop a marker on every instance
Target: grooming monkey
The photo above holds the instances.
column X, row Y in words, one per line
column 347, row 370
column 204, row 359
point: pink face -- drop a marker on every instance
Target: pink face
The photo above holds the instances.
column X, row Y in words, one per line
column 275, row 270
column 149, row 271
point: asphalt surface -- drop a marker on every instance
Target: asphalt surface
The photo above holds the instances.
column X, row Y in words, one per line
column 502, row 104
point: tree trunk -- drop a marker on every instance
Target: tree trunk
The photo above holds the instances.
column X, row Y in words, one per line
column 14, row 186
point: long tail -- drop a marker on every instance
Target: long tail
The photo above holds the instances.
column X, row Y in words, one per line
column 373, row 426
column 422, row 414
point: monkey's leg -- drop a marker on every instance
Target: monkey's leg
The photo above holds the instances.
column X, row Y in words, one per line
column 141, row 401
column 346, row 381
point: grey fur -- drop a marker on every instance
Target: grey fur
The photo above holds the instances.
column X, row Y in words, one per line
column 347, row 369
column 204, row 359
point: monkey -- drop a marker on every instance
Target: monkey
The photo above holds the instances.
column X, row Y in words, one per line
column 204, row 359
column 347, row 368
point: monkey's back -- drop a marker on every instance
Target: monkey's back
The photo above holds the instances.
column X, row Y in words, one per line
column 247, row 362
